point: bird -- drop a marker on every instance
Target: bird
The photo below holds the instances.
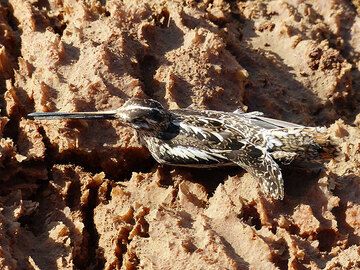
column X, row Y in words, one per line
column 208, row 139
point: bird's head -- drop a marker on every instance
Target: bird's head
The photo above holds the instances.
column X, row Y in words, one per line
column 144, row 114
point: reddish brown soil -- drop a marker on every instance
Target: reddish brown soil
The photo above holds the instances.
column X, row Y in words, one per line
column 87, row 195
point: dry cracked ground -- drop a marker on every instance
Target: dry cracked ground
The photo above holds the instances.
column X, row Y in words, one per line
column 87, row 195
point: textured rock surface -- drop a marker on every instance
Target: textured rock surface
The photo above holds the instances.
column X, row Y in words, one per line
column 87, row 195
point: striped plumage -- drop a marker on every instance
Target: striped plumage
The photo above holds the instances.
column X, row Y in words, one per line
column 195, row 138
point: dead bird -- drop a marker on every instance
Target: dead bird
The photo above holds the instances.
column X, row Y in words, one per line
column 205, row 138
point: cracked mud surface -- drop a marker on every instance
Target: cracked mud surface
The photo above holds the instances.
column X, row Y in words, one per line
column 87, row 195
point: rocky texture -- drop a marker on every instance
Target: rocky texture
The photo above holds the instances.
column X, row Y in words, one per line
column 87, row 195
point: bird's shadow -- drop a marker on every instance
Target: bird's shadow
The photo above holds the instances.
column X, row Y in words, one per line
column 299, row 176
column 209, row 178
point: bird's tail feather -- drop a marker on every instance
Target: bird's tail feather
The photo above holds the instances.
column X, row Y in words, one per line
column 309, row 141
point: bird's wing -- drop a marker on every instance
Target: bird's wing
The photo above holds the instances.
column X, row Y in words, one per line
column 261, row 165
column 257, row 119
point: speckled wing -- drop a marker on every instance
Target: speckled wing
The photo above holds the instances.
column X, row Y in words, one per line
column 261, row 165
column 225, row 124
column 212, row 138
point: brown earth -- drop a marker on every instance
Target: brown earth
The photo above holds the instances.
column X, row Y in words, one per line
column 87, row 195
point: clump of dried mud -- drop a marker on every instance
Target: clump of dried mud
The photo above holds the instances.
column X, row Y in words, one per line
column 87, row 195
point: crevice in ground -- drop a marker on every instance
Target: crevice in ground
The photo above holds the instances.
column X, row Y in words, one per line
column 94, row 259
column 31, row 222
column 148, row 64
column 327, row 239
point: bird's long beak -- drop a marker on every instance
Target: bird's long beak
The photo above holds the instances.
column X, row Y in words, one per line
column 73, row 115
